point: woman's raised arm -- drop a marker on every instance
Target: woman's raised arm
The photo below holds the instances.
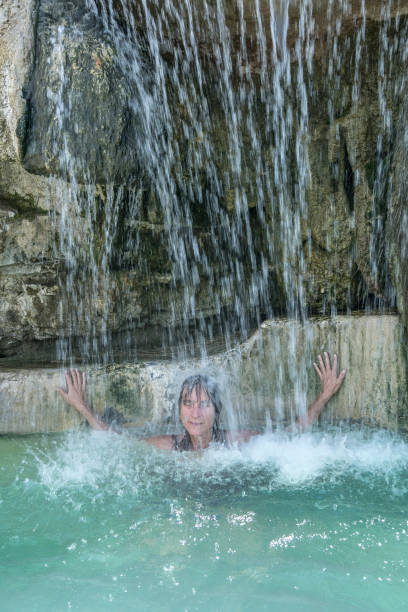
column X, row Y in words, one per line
column 331, row 383
column 75, row 396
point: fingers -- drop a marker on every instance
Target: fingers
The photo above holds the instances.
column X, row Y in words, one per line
column 325, row 365
column 322, row 366
column 75, row 393
column 326, row 369
column 339, row 380
column 320, row 375
column 75, row 379
column 68, row 379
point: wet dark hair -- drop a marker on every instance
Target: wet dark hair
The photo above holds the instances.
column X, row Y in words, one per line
column 209, row 385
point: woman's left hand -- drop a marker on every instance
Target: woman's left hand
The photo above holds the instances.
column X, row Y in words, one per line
column 75, row 393
column 331, row 383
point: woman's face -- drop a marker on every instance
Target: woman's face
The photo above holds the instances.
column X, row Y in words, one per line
column 197, row 412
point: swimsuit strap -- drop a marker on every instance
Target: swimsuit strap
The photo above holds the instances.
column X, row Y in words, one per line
column 182, row 444
column 177, row 443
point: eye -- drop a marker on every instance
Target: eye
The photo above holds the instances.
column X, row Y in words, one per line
column 188, row 403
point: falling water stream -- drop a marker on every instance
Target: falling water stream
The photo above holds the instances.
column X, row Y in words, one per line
column 194, row 224
column 220, row 98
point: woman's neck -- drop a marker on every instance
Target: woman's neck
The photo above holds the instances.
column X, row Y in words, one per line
column 200, row 442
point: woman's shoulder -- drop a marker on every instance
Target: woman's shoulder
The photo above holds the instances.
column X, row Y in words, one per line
column 165, row 442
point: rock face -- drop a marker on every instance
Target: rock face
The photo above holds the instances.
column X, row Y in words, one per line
column 79, row 98
column 16, row 61
column 154, row 178
column 397, row 218
column 27, row 281
column 268, row 379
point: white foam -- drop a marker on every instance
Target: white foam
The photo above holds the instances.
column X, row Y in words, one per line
column 96, row 459
column 310, row 455
column 302, row 458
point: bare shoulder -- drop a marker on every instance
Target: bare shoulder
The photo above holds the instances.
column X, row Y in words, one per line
column 240, row 436
column 164, row 442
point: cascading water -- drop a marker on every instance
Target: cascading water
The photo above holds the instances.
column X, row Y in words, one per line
column 224, row 105
column 249, row 198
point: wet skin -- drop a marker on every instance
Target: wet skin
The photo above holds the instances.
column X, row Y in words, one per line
column 197, row 414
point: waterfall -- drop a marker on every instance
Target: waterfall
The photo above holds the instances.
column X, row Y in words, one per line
column 221, row 149
column 218, row 164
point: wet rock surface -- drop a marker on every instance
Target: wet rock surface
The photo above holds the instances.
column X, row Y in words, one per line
column 79, row 98
column 17, row 42
column 397, row 218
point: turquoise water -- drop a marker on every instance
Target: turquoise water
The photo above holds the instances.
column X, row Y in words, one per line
column 95, row 521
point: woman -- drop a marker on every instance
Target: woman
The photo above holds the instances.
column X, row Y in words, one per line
column 200, row 407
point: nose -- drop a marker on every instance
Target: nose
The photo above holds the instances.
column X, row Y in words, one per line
column 196, row 409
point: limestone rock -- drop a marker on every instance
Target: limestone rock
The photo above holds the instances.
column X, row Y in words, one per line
column 22, row 240
column 29, row 403
column 17, row 20
column 397, row 219
column 28, row 297
column 277, row 364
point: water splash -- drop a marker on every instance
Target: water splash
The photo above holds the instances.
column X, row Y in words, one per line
column 97, row 465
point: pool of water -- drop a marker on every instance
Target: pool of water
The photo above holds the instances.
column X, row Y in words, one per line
column 95, row 521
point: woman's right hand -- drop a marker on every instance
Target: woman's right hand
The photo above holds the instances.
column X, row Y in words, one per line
column 76, row 386
column 331, row 382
